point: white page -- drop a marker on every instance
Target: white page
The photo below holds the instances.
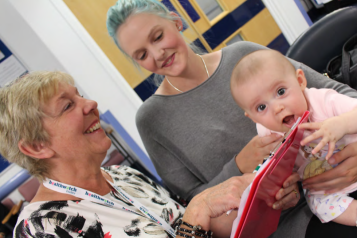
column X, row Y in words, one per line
column 244, row 198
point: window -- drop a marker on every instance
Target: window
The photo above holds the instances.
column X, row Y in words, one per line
column 235, row 38
column 210, row 7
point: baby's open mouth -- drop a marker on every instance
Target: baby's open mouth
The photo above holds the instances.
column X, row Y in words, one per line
column 289, row 120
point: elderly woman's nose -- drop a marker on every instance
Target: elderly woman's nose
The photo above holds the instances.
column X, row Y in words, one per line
column 89, row 105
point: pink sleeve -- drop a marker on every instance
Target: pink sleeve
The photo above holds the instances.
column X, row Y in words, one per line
column 262, row 131
column 336, row 104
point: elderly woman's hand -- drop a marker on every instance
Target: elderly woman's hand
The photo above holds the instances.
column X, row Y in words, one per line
column 289, row 195
column 255, row 151
column 339, row 177
column 215, row 201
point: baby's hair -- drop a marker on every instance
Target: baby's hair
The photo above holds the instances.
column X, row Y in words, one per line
column 252, row 63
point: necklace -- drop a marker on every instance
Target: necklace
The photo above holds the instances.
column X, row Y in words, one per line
column 204, row 63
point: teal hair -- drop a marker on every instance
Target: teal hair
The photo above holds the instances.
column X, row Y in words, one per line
column 123, row 9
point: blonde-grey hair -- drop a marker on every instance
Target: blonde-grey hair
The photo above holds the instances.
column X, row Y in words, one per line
column 21, row 116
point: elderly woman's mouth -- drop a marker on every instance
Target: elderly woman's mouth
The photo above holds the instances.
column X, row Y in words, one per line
column 93, row 128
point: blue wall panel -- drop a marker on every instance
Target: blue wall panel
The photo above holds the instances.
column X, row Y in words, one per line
column 146, row 88
column 5, row 51
column 280, row 44
column 3, row 163
column 190, row 10
column 232, row 22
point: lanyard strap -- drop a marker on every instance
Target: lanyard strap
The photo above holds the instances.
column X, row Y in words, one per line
column 96, row 198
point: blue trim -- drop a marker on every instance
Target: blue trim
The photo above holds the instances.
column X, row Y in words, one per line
column 110, row 119
column 303, row 12
column 190, row 10
column 199, row 44
column 233, row 21
column 280, row 44
column 169, row 6
column 13, row 183
column 5, row 51
column 3, row 163
column 145, row 89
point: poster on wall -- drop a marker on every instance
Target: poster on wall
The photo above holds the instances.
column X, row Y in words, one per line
column 10, row 67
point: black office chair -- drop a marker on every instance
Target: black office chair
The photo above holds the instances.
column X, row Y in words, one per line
column 324, row 39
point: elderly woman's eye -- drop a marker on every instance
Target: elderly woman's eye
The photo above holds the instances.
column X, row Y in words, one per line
column 67, row 106
column 261, row 107
column 281, row 91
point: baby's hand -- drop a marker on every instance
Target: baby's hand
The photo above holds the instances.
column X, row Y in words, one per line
column 330, row 130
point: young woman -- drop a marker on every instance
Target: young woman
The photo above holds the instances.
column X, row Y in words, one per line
column 191, row 127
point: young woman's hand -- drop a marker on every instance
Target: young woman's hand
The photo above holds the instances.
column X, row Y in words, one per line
column 339, row 177
column 255, row 151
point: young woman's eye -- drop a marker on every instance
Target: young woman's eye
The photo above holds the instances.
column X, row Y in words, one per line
column 281, row 91
column 261, row 107
column 159, row 37
column 142, row 56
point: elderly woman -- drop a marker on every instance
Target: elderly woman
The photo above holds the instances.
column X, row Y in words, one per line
column 47, row 127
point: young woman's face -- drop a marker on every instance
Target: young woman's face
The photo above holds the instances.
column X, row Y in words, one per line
column 155, row 43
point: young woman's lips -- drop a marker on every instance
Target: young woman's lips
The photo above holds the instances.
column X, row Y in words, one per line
column 169, row 61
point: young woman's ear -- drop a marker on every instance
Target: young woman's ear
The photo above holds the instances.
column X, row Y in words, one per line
column 300, row 75
column 37, row 150
column 178, row 21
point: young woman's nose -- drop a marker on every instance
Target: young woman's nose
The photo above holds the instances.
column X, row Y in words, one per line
column 158, row 53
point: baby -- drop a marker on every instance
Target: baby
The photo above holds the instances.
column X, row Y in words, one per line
column 274, row 95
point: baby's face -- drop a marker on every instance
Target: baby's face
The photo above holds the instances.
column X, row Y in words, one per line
column 273, row 98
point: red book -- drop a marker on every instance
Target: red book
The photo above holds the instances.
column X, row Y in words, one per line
column 258, row 220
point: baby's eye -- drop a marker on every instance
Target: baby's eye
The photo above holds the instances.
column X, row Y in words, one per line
column 281, row 91
column 261, row 107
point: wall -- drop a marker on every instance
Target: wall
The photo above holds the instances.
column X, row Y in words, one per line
column 45, row 35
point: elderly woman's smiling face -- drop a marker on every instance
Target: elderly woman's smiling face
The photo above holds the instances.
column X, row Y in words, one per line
column 72, row 123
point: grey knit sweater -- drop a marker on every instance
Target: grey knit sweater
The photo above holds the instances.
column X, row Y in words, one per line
column 193, row 137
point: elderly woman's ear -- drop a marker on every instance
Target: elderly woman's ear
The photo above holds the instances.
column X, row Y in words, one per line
column 37, row 150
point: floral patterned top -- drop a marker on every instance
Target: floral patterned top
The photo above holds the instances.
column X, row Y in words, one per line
column 83, row 218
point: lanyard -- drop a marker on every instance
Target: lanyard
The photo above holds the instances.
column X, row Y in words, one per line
column 96, row 198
